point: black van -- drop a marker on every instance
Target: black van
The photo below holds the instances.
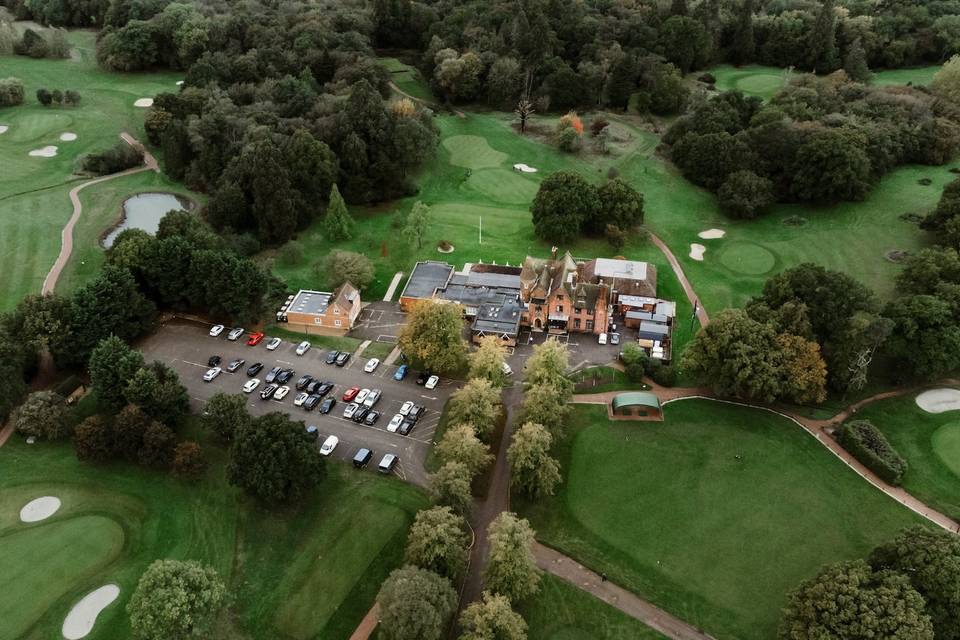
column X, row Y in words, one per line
column 362, row 457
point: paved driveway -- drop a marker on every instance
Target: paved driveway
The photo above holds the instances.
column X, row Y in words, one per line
column 186, row 347
column 379, row 321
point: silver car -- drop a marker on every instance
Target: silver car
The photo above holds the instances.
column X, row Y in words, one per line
column 235, row 333
column 372, row 398
column 211, row 374
column 303, row 347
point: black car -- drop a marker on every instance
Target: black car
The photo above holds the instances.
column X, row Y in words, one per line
column 360, row 413
column 284, row 376
column 324, row 388
column 311, row 403
column 235, row 364
column 406, row 427
column 371, row 418
column 304, row 381
column 342, row 358
column 423, row 377
column 328, row 405
column 213, row 361
column 332, row 356
column 362, row 457
column 254, row 369
column 272, row 375
column 268, row 391
column 313, row 386
column 416, row 412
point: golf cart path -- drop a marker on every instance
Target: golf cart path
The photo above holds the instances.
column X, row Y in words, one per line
column 66, row 235
column 682, row 277
column 816, row 428
column 393, row 286
column 569, row 570
column 368, row 624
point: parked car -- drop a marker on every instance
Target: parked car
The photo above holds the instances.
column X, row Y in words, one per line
column 373, row 397
column 281, row 393
column 342, row 358
column 235, row 364
column 213, row 361
column 254, row 369
column 361, row 396
column 251, row 384
column 328, row 405
column 350, row 410
column 507, row 371
column 360, row 414
column 273, row 343
column 329, row 445
column 255, row 339
column 284, row 376
column 268, row 391
column 405, row 408
column 311, row 402
column 362, row 457
column 394, row 423
column 371, row 365
column 304, row 381
column 324, row 388
column 216, row 330
column 300, row 399
column 416, row 412
column 313, row 432
column 371, row 418
column 235, row 333
column 211, row 374
column 614, row 338
column 387, row 463
column 272, row 374
column 303, row 347
column 350, row 394
column 332, row 356
column 406, row 427
column 602, row 338
column 400, row 373
column 432, row 382
column 422, row 378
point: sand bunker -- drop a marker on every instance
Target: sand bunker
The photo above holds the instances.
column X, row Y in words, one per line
column 69, row 136
column 939, row 400
column 179, row 83
column 144, row 102
column 46, row 152
column 3, row 128
column 697, row 251
column 79, row 622
column 524, row 168
column 39, row 509
column 712, row 234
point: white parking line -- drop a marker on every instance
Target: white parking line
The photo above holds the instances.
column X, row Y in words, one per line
column 196, row 364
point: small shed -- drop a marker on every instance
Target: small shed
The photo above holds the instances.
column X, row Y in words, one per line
column 636, row 405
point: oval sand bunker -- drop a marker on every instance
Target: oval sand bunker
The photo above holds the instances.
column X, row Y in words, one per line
column 939, row 400
column 79, row 622
column 3, row 128
column 697, row 251
column 69, row 136
column 39, row 509
column 44, row 152
column 712, row 234
column 144, row 102
column 524, row 168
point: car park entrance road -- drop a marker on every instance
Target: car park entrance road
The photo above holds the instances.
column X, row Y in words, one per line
column 186, row 346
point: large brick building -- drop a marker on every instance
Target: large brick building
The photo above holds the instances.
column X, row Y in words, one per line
column 323, row 313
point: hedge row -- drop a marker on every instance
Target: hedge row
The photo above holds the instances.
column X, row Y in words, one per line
column 868, row 445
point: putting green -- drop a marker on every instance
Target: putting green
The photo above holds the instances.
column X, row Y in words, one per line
column 32, row 126
column 472, row 152
column 747, row 258
column 760, row 84
column 502, row 185
column 43, row 563
column 946, row 444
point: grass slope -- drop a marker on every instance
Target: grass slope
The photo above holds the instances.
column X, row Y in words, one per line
column 668, row 511
column 930, row 442
column 408, row 78
column 308, row 572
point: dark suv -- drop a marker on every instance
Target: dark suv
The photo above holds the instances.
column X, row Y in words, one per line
column 304, row 381
column 254, row 369
column 362, row 457
column 342, row 358
column 332, row 356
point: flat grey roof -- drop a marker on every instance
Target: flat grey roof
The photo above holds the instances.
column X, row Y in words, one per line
column 632, row 269
column 498, row 318
column 426, row 278
column 653, row 328
column 504, row 280
column 312, row 302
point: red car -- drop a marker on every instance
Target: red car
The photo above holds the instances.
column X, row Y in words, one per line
column 255, row 339
column 350, row 394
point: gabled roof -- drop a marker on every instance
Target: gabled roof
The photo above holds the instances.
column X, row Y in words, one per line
column 345, row 295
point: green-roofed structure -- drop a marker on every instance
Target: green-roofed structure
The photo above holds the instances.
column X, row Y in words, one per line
column 636, row 405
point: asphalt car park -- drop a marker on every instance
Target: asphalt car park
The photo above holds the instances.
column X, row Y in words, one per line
column 187, row 346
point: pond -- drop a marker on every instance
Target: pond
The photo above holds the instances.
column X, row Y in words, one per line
column 144, row 211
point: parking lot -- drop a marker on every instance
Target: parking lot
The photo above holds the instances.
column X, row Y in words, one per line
column 187, row 346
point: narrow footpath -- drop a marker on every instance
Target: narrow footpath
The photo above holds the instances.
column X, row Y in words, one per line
column 682, row 277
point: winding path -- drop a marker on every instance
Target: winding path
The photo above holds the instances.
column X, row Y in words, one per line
column 682, row 277
column 66, row 235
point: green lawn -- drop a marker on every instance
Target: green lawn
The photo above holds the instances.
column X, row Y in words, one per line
column 668, row 511
column 303, row 573
column 930, row 442
column 409, row 79
column 560, row 611
column 33, row 190
column 602, row 380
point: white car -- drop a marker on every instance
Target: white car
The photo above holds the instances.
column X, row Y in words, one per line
column 350, row 409
column 251, row 384
column 395, row 422
column 235, row 333
column 281, row 393
column 211, row 374
column 405, row 408
column 432, row 382
column 300, row 399
column 303, row 347
column 507, row 371
column 329, row 445
column 361, row 396
column 372, row 398
column 274, row 343
column 216, row 330
column 371, row 365
column 602, row 339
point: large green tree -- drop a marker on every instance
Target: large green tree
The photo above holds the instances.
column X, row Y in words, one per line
column 415, row 604
column 433, row 336
column 112, row 365
column 488, row 360
column 562, row 204
column 532, row 469
column 511, row 568
column 823, row 39
column 477, row 403
column 156, row 389
column 492, row 618
column 450, row 486
column 337, row 221
column 224, row 414
column 438, row 541
column 460, row 444
column 925, row 336
column 176, row 600
column 44, row 414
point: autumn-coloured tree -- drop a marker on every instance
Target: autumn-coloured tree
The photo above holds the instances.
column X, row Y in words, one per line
column 804, row 371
